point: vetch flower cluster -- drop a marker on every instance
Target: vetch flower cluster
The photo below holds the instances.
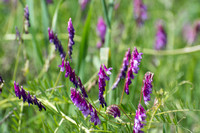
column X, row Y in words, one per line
column 133, row 68
column 140, row 12
column 58, row 46
column 124, row 68
column 1, row 84
column 102, row 82
column 84, row 107
column 27, row 97
column 113, row 110
column 27, row 21
column 139, row 119
column 101, row 31
column 161, row 37
column 71, row 42
column 147, row 88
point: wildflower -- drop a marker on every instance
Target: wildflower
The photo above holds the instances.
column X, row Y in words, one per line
column 49, row 1
column 123, row 69
column 83, row 3
column 113, row 110
column 82, row 88
column 27, row 97
column 94, row 117
column 80, row 102
column 62, row 66
column 71, row 42
column 147, row 87
column 134, row 68
column 161, row 37
column 101, row 31
column 1, row 84
column 140, row 12
column 102, row 83
column 27, row 21
column 71, row 74
column 99, row 44
column 139, row 119
column 58, row 46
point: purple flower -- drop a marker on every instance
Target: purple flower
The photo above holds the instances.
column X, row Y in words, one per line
column 140, row 12
column 113, row 110
column 102, row 83
column 147, row 87
column 82, row 88
column 27, row 21
column 189, row 34
column 49, row 1
column 101, row 31
column 80, row 102
column 94, row 117
column 161, row 37
column 71, row 74
column 124, row 68
column 58, row 46
column 27, row 96
column 62, row 66
column 1, row 84
column 17, row 90
column 133, row 68
column 139, row 119
column 83, row 3
column 71, row 42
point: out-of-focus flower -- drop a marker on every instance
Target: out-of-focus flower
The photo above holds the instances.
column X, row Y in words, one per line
column 124, row 68
column 71, row 74
column 1, row 84
column 102, row 83
column 140, row 12
column 27, row 96
column 133, row 68
column 101, row 31
column 161, row 37
column 58, row 46
column 71, row 42
column 27, row 21
column 147, row 87
column 49, row 1
column 113, row 110
column 139, row 119
column 83, row 3
column 84, row 107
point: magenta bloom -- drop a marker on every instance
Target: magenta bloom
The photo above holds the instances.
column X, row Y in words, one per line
column 101, row 31
column 161, row 37
column 83, row 3
column 147, row 88
column 123, row 69
column 62, row 66
column 133, row 68
column 140, row 12
column 58, row 46
column 1, row 84
column 27, row 21
column 27, row 97
column 84, row 107
column 113, row 110
column 139, row 119
column 49, row 1
column 190, row 34
column 71, row 42
column 102, row 82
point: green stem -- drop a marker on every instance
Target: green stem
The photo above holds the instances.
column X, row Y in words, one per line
column 106, row 13
column 17, row 61
column 55, row 84
column 20, row 116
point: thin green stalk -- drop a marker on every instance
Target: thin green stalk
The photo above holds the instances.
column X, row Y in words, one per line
column 17, row 62
column 61, row 121
column 106, row 13
column 20, row 116
column 55, row 84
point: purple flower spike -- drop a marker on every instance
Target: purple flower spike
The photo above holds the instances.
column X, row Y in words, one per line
column 62, row 66
column 140, row 12
column 71, row 42
column 124, row 68
column 58, row 46
column 101, row 30
column 82, row 88
column 113, row 110
column 134, row 68
column 17, row 90
column 80, row 102
column 29, row 99
column 102, row 83
column 27, row 22
column 40, row 106
column 147, row 88
column 161, row 37
column 1, row 84
column 23, row 93
column 94, row 117
column 139, row 119
column 83, row 3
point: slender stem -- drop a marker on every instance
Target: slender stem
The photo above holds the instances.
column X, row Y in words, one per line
column 106, row 13
column 124, row 113
column 61, row 121
column 141, row 91
column 20, row 116
column 17, row 61
column 55, row 84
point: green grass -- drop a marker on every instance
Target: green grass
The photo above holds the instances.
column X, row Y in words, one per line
column 174, row 105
